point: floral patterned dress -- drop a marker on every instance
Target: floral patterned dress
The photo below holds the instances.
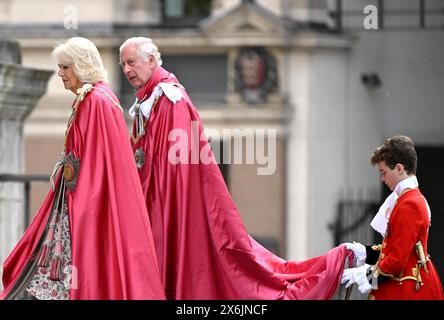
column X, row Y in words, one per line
column 44, row 288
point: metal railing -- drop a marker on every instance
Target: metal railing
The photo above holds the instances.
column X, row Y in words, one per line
column 26, row 180
column 352, row 222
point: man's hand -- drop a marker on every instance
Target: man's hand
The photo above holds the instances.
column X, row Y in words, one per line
column 359, row 276
column 359, row 252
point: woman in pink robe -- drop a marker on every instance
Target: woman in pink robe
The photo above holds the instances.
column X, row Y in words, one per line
column 91, row 238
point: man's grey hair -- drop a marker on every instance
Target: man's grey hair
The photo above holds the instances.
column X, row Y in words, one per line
column 145, row 48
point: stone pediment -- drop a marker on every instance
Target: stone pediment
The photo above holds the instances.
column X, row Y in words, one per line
column 245, row 18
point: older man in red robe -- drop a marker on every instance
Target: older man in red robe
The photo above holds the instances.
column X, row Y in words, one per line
column 203, row 248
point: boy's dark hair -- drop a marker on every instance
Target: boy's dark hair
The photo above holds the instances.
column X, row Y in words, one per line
column 397, row 149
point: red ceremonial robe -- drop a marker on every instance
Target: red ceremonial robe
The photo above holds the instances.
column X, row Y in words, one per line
column 112, row 251
column 203, row 248
column 408, row 224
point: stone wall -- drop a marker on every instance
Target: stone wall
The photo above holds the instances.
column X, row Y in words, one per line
column 20, row 89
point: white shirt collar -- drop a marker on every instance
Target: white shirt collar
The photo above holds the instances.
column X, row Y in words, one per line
column 171, row 91
column 380, row 221
column 410, row 182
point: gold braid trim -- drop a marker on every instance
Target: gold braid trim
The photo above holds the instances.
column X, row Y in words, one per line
column 403, row 278
column 377, row 272
column 416, row 272
column 81, row 94
column 110, row 98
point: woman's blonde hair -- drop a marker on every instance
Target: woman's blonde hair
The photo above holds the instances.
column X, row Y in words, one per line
column 84, row 57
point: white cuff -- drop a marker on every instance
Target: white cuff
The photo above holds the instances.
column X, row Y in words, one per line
column 361, row 254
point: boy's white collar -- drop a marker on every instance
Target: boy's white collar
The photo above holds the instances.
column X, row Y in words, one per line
column 380, row 221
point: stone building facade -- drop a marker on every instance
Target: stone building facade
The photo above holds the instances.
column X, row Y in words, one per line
column 294, row 69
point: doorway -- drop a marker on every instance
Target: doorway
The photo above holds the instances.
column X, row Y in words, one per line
column 431, row 178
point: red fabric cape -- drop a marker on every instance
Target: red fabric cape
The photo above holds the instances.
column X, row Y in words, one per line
column 203, row 248
column 112, row 248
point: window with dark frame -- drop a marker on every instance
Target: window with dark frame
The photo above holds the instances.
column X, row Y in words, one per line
column 204, row 76
column 185, row 13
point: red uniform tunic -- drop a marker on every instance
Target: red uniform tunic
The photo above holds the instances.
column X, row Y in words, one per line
column 408, row 224
column 203, row 248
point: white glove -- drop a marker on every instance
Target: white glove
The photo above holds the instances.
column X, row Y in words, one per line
column 358, row 276
column 364, row 287
column 359, row 252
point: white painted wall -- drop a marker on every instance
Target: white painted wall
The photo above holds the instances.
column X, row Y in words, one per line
column 220, row 6
column 297, row 88
column 413, row 78
column 338, row 122
column 364, row 115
